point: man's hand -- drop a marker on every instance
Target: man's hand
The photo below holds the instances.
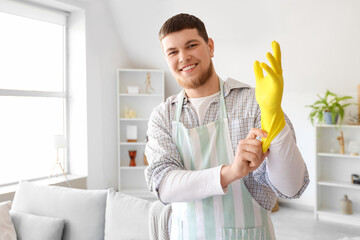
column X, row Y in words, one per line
column 248, row 157
column 268, row 92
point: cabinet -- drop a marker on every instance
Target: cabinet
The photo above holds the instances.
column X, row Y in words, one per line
column 333, row 173
column 132, row 96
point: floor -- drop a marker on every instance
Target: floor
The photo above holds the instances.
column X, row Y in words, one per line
column 299, row 224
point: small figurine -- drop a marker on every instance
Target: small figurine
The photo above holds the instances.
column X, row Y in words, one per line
column 341, row 142
column 148, row 83
column 129, row 113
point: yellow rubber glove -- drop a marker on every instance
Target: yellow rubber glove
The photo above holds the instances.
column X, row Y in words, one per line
column 268, row 92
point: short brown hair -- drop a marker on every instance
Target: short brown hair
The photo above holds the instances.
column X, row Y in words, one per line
column 183, row 21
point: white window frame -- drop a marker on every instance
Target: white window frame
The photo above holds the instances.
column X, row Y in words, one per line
column 41, row 12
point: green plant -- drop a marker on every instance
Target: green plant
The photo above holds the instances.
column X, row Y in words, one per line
column 331, row 102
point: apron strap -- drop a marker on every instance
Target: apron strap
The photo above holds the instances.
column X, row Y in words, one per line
column 180, row 97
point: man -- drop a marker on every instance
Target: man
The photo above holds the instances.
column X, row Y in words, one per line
column 204, row 150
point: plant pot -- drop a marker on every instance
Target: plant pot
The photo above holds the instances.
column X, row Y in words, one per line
column 328, row 118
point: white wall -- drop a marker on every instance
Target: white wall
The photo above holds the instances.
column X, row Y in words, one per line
column 320, row 41
column 104, row 54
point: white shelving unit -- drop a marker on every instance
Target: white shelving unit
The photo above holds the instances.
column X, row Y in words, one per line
column 333, row 174
column 131, row 180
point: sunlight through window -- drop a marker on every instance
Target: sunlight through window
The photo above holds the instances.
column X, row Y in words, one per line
column 32, row 96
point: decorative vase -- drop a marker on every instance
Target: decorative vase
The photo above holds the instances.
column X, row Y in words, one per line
column 346, row 205
column 328, row 118
column 132, row 155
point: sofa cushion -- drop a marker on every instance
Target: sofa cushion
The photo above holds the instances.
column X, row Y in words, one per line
column 126, row 217
column 82, row 210
column 29, row 226
column 7, row 230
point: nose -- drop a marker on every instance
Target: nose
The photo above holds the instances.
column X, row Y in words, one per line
column 184, row 56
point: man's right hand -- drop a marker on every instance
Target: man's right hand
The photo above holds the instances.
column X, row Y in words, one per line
column 248, row 157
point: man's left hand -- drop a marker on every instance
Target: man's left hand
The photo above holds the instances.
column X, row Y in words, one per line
column 268, row 92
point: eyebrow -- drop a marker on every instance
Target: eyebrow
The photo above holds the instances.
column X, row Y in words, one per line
column 188, row 42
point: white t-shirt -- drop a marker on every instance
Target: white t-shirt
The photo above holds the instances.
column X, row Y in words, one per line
column 201, row 104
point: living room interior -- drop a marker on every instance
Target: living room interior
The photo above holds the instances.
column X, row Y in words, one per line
column 107, row 41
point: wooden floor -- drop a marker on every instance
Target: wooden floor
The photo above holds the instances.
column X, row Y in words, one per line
column 299, row 224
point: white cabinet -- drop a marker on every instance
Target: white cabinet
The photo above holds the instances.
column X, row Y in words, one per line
column 131, row 179
column 333, row 173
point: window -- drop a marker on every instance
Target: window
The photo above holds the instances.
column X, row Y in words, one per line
column 32, row 89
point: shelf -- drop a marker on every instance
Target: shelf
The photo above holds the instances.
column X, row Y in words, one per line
column 139, row 95
column 333, row 174
column 355, row 215
column 132, row 143
column 339, row 184
column 131, row 180
column 134, row 119
column 337, row 155
column 133, row 168
column 336, row 216
column 339, row 127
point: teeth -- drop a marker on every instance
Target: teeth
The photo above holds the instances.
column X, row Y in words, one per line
column 189, row 67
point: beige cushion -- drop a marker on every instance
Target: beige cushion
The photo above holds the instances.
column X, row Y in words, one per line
column 7, row 230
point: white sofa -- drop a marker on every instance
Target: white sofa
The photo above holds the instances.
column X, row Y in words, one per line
column 57, row 213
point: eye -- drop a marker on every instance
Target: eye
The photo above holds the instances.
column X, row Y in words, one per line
column 172, row 53
column 192, row 45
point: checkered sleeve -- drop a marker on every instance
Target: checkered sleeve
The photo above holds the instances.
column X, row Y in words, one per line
column 160, row 150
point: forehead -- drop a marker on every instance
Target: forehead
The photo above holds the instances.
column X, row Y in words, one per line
column 180, row 38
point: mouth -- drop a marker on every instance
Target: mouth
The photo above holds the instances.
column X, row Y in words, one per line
column 188, row 68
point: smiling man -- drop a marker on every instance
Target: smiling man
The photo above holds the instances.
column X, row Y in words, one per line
column 204, row 148
column 188, row 59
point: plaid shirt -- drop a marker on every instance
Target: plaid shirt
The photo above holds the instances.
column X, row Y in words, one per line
column 243, row 114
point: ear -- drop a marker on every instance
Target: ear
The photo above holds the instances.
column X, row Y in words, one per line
column 211, row 46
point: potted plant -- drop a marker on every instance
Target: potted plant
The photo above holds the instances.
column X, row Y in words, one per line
column 328, row 108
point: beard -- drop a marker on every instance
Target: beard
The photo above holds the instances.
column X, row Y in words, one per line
column 196, row 81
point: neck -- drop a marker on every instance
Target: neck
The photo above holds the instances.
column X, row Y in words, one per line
column 210, row 87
